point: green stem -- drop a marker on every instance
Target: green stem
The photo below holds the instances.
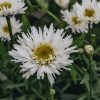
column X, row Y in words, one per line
column 51, row 94
column 38, row 94
column 29, row 3
column 48, row 91
column 90, row 62
column 56, row 19
column 10, row 28
column 90, row 41
column 52, row 97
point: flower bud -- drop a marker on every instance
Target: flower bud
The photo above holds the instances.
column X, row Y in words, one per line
column 62, row 3
column 89, row 49
column 93, row 35
column 80, row 50
column 52, row 91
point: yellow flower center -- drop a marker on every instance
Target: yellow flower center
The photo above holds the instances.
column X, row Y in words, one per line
column 75, row 20
column 89, row 12
column 5, row 29
column 5, row 5
column 43, row 54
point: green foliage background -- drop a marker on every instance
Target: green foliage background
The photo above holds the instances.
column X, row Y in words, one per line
column 71, row 85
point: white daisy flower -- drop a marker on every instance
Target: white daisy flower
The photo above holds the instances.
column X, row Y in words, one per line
column 62, row 3
column 74, row 22
column 12, row 7
column 89, row 10
column 43, row 52
column 4, row 30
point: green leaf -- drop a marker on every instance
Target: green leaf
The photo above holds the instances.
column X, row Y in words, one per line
column 12, row 85
column 73, row 74
column 96, row 86
column 3, row 77
column 2, row 49
column 79, row 40
column 82, row 97
column 22, row 98
column 30, row 4
column 42, row 4
column 69, row 97
column 38, row 94
column 85, row 79
column 8, row 98
column 26, row 24
column 73, row 1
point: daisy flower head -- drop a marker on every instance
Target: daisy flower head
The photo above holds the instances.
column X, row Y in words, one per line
column 12, row 7
column 4, row 30
column 75, row 23
column 44, row 52
column 88, row 10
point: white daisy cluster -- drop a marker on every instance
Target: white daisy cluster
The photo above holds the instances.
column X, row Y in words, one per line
column 10, row 8
column 81, row 15
column 44, row 52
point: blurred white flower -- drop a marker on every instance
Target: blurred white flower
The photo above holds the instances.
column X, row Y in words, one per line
column 4, row 30
column 75, row 23
column 43, row 51
column 12, row 7
column 89, row 10
column 62, row 3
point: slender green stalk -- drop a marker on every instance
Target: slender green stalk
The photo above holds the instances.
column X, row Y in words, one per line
column 90, row 41
column 52, row 93
column 38, row 94
column 52, row 97
column 56, row 18
column 90, row 62
column 9, row 27
column 48, row 90
column 29, row 3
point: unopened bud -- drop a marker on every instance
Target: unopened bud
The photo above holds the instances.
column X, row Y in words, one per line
column 93, row 35
column 52, row 91
column 80, row 50
column 89, row 49
column 62, row 3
